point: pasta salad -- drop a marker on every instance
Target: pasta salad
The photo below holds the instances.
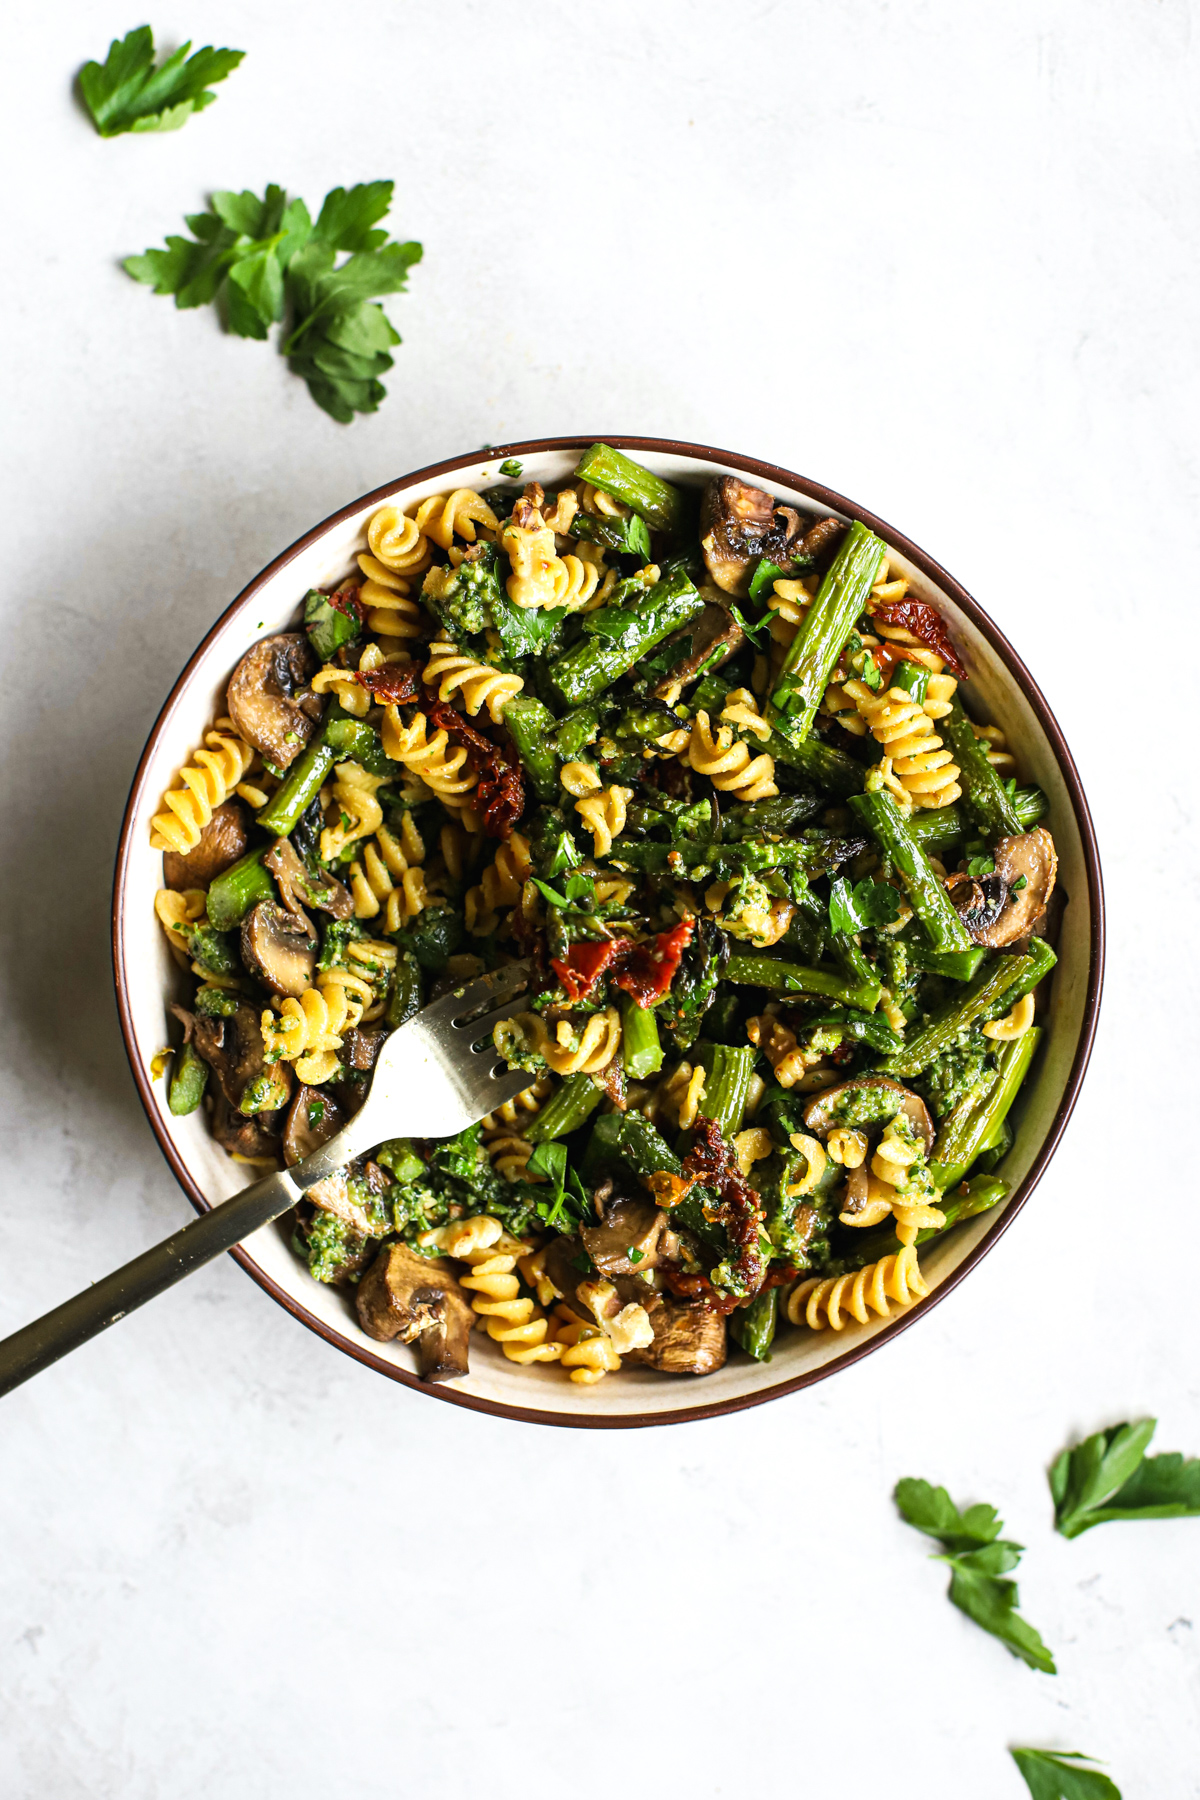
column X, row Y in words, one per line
column 701, row 761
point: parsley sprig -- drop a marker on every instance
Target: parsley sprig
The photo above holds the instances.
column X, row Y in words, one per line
column 1059, row 1775
column 262, row 259
column 127, row 93
column 567, row 1191
column 979, row 1559
column 1109, row 1476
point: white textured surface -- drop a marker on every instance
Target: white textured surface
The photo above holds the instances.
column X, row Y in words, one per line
column 940, row 257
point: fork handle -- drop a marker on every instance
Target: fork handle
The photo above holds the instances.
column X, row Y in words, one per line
column 28, row 1351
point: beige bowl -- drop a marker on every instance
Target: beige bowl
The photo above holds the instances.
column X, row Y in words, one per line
column 145, row 976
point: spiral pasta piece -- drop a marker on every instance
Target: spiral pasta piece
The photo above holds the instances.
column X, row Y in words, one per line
column 391, row 610
column 600, row 505
column 728, row 762
column 604, row 815
column 586, row 1353
column 513, row 1320
column 741, row 708
column 905, row 727
column 998, row 753
column 445, row 769
column 900, row 1184
column 593, row 555
column 499, row 885
column 793, row 1066
column 820, row 1304
column 1014, row 1024
column 479, row 683
column 205, row 783
column 509, row 1154
column 351, row 696
column 397, row 542
column 445, row 516
column 580, row 778
column 521, row 1108
column 389, row 876
column 567, row 1052
column 308, row 1030
column 359, row 812
column 583, row 578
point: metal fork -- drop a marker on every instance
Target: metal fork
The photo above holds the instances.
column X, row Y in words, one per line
column 435, row 1075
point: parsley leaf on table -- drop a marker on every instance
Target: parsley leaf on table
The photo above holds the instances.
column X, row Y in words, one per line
column 1057, row 1775
column 127, row 93
column 979, row 1559
column 263, row 258
column 1109, row 1476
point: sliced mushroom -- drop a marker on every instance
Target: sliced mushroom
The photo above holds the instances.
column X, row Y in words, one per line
column 715, row 634
column 280, row 947
column 313, row 1118
column 1031, row 855
column 977, row 903
column 361, row 1045
column 254, row 1138
column 417, row 1299
column 734, row 520
column 224, row 839
column 626, row 1241
column 232, row 1047
column 333, row 1195
column 822, row 1113
column 820, row 537
column 857, row 1191
column 262, row 701
column 186, row 1019
column 688, row 1339
column 298, row 887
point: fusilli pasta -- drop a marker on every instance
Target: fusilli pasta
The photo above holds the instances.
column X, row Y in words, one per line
column 728, row 762
column 822, row 1304
column 205, row 783
column 478, row 683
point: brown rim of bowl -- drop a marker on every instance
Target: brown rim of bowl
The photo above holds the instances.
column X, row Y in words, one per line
column 772, row 477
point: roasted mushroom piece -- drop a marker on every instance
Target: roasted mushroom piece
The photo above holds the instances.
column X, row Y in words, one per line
column 689, row 1339
column 714, row 637
column 262, row 697
column 223, row 840
column 978, row 903
column 830, row 1107
column 734, row 520
column 333, row 1195
column 299, row 887
column 417, row 1300
column 626, row 1240
column 280, row 947
column 1031, row 861
column 232, row 1047
column 313, row 1118
column 256, row 1138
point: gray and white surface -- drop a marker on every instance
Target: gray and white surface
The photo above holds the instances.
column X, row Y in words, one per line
column 940, row 257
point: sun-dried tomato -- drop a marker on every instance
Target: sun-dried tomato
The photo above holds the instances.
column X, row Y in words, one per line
column 697, row 1287
column 712, row 1163
column 345, row 599
column 501, row 798
column 500, row 792
column 647, row 970
column 926, row 624
column 583, row 966
column 390, row 684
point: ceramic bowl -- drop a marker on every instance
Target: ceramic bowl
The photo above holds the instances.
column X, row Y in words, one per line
column 145, row 976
